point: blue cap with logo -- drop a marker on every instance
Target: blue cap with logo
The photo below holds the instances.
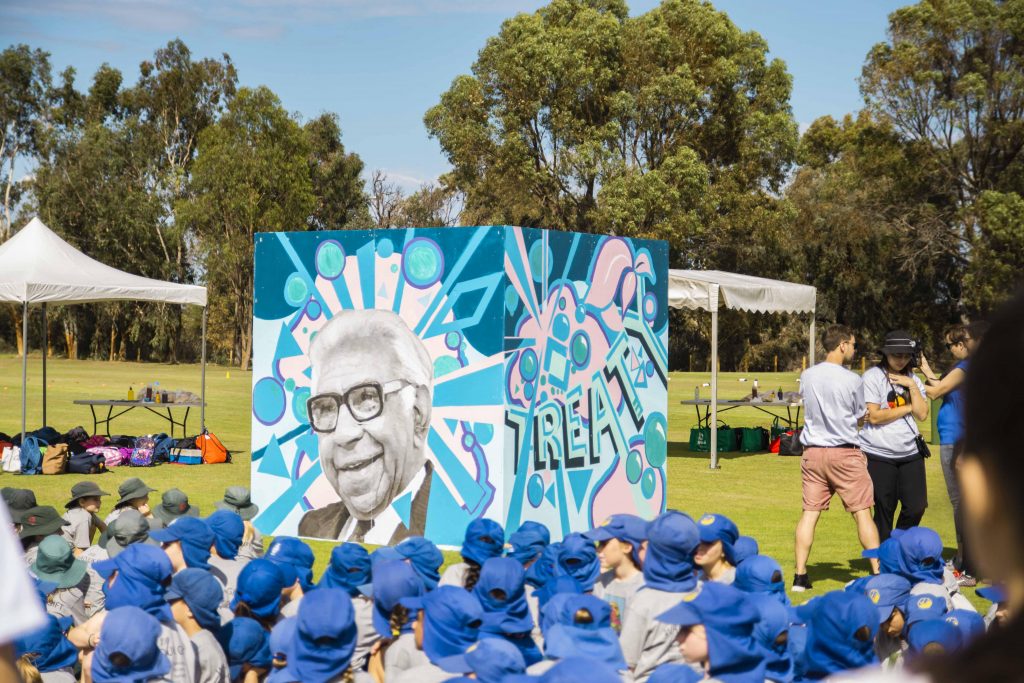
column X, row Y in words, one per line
column 923, row 608
column 628, row 528
column 490, row 659
column 291, row 551
column 939, row 634
column 970, row 623
column 714, row 527
column 887, row 592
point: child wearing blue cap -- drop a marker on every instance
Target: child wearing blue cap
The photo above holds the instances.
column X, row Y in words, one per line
column 225, row 563
column 933, row 638
column 286, row 550
column 324, row 640
column 448, row 621
column 501, row 591
column 889, row 593
column 393, row 581
column 138, row 577
column 46, row 654
column 127, row 650
column 279, row 642
column 578, row 559
column 258, row 595
column 195, row 597
column 841, row 632
column 619, row 540
column 349, row 570
column 715, row 555
column 582, row 629
column 424, row 557
column 762, row 575
column 247, row 646
column 490, row 661
column 484, row 539
column 187, row 541
column 716, row 632
column 647, row 643
column 772, row 633
column 527, row 542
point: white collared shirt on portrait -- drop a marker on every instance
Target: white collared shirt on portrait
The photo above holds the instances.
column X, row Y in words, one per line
column 384, row 525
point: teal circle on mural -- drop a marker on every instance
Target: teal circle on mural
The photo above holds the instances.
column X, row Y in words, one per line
column 268, row 400
column 528, row 391
column 289, row 384
column 535, row 490
column 484, row 432
column 541, row 260
column 656, row 439
column 561, row 304
column 422, row 262
column 560, row 327
column 385, row 248
column 296, row 292
column 452, row 340
column 511, row 300
column 634, row 467
column 528, row 365
column 648, row 483
column 313, row 310
column 581, row 313
column 330, row 259
column 445, row 364
column 394, row 268
column 299, row 399
column 579, row 349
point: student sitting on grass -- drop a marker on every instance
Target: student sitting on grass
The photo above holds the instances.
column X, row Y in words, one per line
column 83, row 523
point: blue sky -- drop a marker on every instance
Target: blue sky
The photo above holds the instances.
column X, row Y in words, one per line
column 380, row 64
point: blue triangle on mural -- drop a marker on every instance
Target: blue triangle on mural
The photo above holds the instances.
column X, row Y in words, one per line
column 308, row 372
column 403, row 506
column 272, row 462
column 286, row 344
column 452, row 424
column 550, row 495
column 382, row 292
column 309, row 444
column 578, row 480
column 425, row 301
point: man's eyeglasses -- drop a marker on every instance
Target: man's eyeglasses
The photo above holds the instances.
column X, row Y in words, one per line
column 364, row 402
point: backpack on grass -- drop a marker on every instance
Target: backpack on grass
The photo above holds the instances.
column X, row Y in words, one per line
column 55, row 459
column 212, row 449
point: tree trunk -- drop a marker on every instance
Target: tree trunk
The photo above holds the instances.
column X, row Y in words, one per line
column 15, row 315
column 246, row 346
column 113, row 341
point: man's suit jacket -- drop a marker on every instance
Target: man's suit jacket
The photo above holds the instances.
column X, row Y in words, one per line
column 327, row 522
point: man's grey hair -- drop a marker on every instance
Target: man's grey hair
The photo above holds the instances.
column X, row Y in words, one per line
column 382, row 328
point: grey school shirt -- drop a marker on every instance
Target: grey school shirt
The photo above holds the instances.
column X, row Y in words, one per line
column 66, row 675
column 401, row 656
column 646, row 642
column 366, row 634
column 178, row 648
column 833, row 403
column 78, row 602
column 454, row 575
column 894, row 440
column 426, row 673
column 543, row 665
column 213, row 663
column 617, row 593
column 226, row 572
column 80, row 529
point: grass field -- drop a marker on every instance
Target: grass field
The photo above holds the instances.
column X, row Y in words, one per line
column 760, row 492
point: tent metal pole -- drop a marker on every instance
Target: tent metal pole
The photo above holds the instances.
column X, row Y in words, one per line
column 46, row 345
column 714, row 377
column 24, row 367
column 202, row 385
column 810, row 352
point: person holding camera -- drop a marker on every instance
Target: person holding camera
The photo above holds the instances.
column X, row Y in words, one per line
column 890, row 438
column 960, row 341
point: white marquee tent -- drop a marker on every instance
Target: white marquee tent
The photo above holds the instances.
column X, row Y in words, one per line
column 38, row 267
column 709, row 289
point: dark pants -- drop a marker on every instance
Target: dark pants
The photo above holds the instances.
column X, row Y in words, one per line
column 898, row 482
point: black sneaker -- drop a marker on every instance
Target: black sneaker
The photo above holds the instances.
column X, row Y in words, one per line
column 801, row 583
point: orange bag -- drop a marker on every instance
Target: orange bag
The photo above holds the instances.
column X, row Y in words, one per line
column 212, row 449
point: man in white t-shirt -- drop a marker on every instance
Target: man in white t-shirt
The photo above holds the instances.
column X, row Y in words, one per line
column 832, row 461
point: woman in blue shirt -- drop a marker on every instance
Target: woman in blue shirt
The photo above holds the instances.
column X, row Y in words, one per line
column 949, row 387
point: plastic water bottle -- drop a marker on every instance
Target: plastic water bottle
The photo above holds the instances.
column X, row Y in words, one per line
column 131, row 394
column 753, row 392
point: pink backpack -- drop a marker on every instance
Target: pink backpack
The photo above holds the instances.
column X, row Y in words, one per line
column 111, row 454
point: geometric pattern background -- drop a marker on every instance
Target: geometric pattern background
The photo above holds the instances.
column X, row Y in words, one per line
column 549, row 360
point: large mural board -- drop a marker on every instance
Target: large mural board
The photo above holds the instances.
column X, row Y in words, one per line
column 512, row 373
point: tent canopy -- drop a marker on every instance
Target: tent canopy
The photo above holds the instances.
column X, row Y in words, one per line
column 709, row 289
column 696, row 289
column 37, row 266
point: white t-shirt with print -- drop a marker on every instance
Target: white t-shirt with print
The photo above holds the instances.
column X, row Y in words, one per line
column 894, row 439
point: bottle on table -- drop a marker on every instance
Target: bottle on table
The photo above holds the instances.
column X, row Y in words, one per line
column 149, row 392
column 753, row 392
column 131, row 394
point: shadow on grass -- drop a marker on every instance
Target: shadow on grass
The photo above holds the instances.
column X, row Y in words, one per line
column 680, row 449
column 834, row 571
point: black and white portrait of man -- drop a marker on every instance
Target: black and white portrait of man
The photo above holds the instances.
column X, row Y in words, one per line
column 370, row 408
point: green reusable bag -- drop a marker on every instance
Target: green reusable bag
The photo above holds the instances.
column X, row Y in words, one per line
column 700, row 439
column 753, row 439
